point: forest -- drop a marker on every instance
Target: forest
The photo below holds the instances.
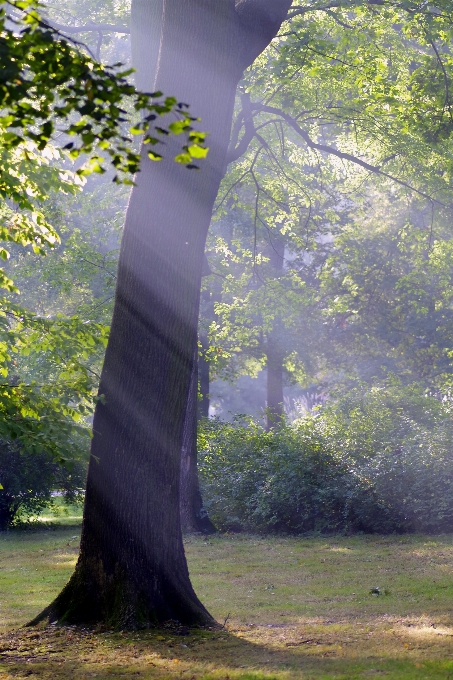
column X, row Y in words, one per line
column 226, row 339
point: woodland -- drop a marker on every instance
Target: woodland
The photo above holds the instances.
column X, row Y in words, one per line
column 227, row 282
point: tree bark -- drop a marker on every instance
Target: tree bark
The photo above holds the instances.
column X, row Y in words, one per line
column 146, row 33
column 146, row 29
column 274, row 385
column 194, row 517
column 275, row 354
column 204, row 370
column 132, row 570
column 203, row 359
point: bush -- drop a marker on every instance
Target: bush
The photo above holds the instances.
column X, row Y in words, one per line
column 286, row 479
column 28, row 480
column 376, row 460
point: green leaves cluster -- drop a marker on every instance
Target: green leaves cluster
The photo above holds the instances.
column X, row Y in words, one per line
column 48, row 381
column 387, row 284
column 46, row 86
column 58, row 103
column 29, row 478
column 50, row 89
column 350, row 108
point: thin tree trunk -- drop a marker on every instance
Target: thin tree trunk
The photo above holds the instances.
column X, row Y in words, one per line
column 132, row 570
column 194, row 517
column 274, row 386
column 204, row 364
column 203, row 357
column 275, row 355
column 203, row 371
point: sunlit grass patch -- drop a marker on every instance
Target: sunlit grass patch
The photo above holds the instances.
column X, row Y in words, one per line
column 293, row 608
column 290, row 578
column 59, row 513
column 33, row 567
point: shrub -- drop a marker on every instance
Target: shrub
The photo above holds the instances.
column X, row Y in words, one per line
column 28, row 480
column 375, row 460
column 286, row 479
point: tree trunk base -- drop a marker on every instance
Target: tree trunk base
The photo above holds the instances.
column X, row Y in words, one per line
column 122, row 603
column 200, row 525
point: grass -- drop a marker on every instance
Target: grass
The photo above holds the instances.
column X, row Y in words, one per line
column 296, row 609
column 59, row 513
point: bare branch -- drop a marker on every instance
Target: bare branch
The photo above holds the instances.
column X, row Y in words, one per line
column 236, row 151
column 337, row 20
column 90, row 27
column 447, row 104
column 298, row 10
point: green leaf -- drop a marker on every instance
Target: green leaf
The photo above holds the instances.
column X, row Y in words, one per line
column 183, row 158
column 197, row 151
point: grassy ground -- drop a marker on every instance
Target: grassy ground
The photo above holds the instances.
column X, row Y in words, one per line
column 295, row 608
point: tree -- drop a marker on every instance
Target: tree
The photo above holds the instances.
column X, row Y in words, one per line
column 326, row 89
column 29, row 479
column 194, row 517
column 387, row 284
column 132, row 569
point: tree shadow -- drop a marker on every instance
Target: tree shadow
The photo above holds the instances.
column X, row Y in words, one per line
column 76, row 653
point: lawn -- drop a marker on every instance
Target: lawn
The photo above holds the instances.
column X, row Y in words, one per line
column 293, row 608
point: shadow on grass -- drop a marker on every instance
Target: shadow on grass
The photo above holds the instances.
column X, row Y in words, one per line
column 78, row 654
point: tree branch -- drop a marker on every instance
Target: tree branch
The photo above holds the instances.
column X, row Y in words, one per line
column 339, row 154
column 298, row 10
column 447, row 104
column 90, row 27
column 246, row 115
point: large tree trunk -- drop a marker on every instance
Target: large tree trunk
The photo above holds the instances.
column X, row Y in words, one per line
column 132, row 570
column 146, row 28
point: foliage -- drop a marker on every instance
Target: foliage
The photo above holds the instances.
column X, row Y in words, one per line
column 46, row 80
column 279, row 480
column 53, row 94
column 29, row 479
column 387, row 282
column 375, row 460
column 47, row 411
column 49, row 88
column 350, row 100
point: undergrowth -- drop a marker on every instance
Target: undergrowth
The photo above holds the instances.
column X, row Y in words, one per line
column 375, row 460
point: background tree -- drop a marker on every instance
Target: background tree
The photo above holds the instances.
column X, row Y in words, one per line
column 388, row 302
column 290, row 135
